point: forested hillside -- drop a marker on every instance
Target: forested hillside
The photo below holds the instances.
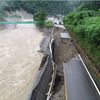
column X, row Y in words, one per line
column 2, row 6
column 32, row 6
column 84, row 23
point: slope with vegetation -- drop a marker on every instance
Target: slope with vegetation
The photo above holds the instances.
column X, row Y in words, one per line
column 49, row 7
column 85, row 26
column 41, row 21
column 40, row 18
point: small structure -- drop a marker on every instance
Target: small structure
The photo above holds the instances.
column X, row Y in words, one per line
column 64, row 37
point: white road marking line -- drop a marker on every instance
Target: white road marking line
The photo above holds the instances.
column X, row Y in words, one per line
column 89, row 74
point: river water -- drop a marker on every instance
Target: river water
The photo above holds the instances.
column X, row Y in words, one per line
column 19, row 60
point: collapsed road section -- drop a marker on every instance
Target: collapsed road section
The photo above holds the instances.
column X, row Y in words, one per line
column 63, row 74
column 45, row 85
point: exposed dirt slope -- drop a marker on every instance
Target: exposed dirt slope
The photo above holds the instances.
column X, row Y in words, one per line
column 63, row 52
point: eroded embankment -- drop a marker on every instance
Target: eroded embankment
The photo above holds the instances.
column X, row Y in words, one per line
column 62, row 52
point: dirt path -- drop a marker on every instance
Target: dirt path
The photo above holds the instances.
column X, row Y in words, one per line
column 63, row 52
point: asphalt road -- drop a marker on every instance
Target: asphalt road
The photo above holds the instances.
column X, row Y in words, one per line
column 78, row 84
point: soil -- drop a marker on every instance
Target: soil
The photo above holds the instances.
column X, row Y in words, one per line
column 62, row 52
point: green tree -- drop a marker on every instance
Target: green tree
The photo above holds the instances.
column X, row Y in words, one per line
column 49, row 24
column 40, row 18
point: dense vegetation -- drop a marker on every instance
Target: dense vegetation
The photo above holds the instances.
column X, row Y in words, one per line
column 85, row 4
column 39, row 18
column 41, row 21
column 90, row 5
column 84, row 23
column 49, row 7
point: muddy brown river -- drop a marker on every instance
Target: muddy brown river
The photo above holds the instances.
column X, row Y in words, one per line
column 19, row 61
